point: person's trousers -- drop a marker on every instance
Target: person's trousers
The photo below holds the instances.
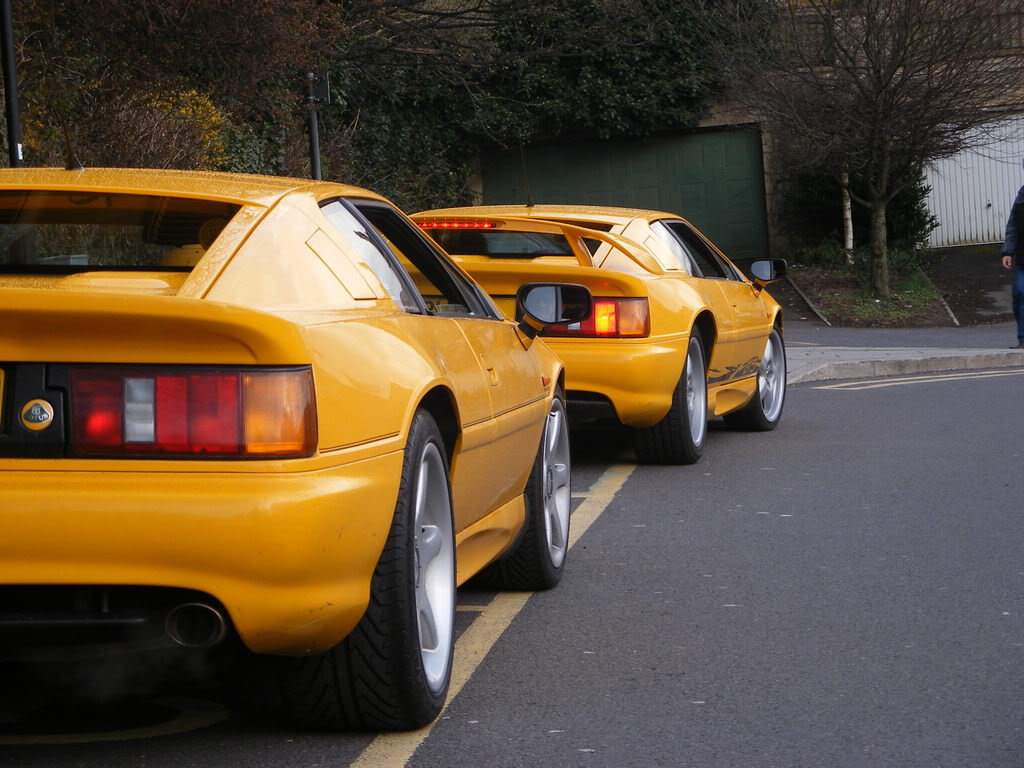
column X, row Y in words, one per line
column 1018, row 300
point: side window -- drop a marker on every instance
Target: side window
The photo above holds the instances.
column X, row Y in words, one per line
column 355, row 234
column 708, row 262
column 444, row 290
column 674, row 247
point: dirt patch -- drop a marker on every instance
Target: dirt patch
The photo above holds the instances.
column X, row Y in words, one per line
column 973, row 283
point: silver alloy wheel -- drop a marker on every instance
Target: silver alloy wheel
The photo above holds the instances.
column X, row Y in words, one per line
column 771, row 377
column 556, row 470
column 435, row 566
column 696, row 392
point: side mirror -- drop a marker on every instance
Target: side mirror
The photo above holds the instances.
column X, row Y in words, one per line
column 542, row 304
column 768, row 270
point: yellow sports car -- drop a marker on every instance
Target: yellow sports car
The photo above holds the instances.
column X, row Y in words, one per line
column 229, row 413
column 678, row 334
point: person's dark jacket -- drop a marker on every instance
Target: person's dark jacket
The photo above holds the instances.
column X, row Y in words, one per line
column 1013, row 244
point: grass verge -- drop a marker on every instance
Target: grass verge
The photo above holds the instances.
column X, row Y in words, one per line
column 843, row 296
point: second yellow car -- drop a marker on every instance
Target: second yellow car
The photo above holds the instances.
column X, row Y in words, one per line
column 678, row 333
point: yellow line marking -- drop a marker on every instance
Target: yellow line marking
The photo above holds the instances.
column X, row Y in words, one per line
column 193, row 714
column 471, row 608
column 853, row 386
column 392, row 750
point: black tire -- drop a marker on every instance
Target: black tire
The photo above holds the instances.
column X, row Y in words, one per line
column 537, row 559
column 672, row 440
column 376, row 679
column 763, row 412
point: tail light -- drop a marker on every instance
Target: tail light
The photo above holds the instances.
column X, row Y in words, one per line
column 611, row 318
column 455, row 224
column 193, row 412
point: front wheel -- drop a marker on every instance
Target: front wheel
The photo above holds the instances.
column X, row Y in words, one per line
column 764, row 410
column 392, row 671
column 679, row 437
column 538, row 557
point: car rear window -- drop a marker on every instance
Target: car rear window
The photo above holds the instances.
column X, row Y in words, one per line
column 43, row 231
column 503, row 244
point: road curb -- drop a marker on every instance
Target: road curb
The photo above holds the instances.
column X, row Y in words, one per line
column 866, row 369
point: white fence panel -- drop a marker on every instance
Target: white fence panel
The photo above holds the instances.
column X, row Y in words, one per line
column 972, row 192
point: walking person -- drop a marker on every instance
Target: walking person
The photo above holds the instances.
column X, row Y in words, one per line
column 1013, row 258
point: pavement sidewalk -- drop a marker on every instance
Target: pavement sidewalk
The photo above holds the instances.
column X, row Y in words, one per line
column 816, row 352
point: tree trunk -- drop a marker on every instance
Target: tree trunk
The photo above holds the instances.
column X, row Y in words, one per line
column 879, row 251
column 844, row 180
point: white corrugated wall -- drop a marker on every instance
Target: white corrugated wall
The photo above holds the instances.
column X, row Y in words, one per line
column 971, row 193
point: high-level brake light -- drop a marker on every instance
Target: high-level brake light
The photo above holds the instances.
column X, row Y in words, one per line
column 192, row 412
column 454, row 224
column 611, row 318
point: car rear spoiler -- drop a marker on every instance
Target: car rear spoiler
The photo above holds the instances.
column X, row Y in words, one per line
column 573, row 234
column 38, row 325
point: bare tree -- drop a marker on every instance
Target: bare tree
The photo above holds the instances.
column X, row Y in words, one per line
column 875, row 87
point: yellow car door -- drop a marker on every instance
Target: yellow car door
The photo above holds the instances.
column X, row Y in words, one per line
column 742, row 320
column 497, row 449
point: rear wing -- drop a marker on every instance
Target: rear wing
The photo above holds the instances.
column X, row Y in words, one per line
column 574, row 236
column 54, row 326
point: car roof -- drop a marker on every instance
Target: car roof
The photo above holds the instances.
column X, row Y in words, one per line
column 239, row 188
column 598, row 213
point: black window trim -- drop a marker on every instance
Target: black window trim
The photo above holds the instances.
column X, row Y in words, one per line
column 389, row 257
column 724, row 264
column 481, row 306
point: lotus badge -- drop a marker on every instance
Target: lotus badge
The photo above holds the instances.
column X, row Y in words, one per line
column 36, row 415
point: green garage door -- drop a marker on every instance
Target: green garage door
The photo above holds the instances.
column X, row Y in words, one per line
column 712, row 178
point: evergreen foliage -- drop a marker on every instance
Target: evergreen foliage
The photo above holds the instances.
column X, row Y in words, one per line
column 419, row 86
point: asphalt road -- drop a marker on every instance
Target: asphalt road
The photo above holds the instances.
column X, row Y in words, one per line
column 844, row 591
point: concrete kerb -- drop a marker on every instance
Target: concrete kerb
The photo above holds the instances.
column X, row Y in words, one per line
column 861, row 363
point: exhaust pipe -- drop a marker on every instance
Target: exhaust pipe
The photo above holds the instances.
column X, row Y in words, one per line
column 195, row 625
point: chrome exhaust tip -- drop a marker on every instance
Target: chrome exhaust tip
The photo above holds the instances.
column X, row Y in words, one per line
column 195, row 625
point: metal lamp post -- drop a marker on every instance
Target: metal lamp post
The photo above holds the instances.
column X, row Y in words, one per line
column 10, row 87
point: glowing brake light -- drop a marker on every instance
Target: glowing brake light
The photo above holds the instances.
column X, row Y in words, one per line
column 193, row 412
column 611, row 318
column 455, row 224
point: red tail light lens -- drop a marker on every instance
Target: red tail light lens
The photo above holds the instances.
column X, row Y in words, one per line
column 193, row 412
column 455, row 224
column 611, row 318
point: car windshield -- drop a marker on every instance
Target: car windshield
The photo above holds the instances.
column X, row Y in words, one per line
column 43, row 231
column 503, row 244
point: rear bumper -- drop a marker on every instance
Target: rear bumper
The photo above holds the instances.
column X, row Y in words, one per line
column 289, row 555
column 638, row 376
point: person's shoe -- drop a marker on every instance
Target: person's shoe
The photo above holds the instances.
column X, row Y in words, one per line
column 1017, row 346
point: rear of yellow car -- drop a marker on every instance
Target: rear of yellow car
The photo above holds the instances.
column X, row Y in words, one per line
column 228, row 420
column 677, row 335
column 161, row 481
column 629, row 353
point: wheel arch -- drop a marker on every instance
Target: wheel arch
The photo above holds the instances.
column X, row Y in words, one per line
column 439, row 402
column 705, row 324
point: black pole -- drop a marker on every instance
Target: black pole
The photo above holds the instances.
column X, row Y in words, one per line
column 10, row 87
column 314, row 134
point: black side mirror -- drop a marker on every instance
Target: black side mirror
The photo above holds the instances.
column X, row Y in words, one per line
column 542, row 304
column 768, row 270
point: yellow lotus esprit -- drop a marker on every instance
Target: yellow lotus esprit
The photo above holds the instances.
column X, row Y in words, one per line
column 678, row 333
column 269, row 411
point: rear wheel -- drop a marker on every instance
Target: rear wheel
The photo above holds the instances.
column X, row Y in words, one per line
column 538, row 558
column 679, row 437
column 392, row 671
column 764, row 410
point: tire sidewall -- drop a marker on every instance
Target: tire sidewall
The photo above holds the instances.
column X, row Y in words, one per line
column 535, row 511
column 421, row 698
column 763, row 422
